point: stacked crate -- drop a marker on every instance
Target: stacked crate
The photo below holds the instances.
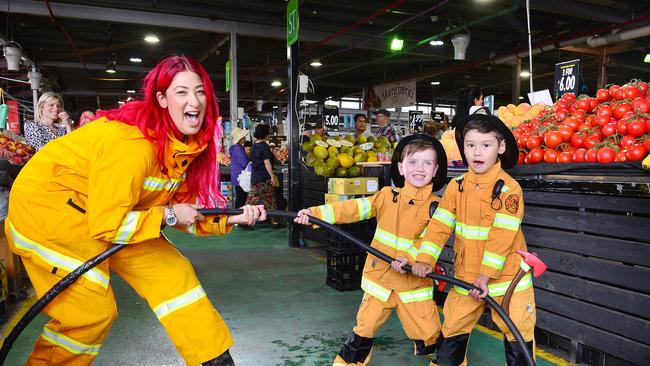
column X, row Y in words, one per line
column 344, row 259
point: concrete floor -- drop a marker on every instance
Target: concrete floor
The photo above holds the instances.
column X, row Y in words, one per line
column 274, row 299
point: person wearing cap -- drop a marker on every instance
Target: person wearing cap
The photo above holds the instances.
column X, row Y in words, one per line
column 418, row 170
column 484, row 207
column 385, row 127
column 238, row 163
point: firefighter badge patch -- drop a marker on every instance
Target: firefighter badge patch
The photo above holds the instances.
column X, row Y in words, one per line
column 512, row 203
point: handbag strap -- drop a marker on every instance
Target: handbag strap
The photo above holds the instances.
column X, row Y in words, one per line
column 2, row 96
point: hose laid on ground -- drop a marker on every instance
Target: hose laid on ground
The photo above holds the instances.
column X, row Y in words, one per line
column 72, row 276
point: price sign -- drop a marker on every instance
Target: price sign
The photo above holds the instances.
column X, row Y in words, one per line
column 331, row 119
column 567, row 78
column 438, row 117
column 415, row 121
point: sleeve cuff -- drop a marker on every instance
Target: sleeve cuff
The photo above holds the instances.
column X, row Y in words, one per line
column 426, row 258
column 490, row 272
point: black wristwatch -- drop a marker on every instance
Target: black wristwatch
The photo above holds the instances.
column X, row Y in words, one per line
column 170, row 216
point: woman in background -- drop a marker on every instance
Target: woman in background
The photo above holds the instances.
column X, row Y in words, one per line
column 51, row 121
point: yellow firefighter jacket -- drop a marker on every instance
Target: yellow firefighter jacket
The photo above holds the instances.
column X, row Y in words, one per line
column 487, row 230
column 402, row 215
column 99, row 185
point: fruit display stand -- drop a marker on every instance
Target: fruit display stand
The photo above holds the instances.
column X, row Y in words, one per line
column 590, row 223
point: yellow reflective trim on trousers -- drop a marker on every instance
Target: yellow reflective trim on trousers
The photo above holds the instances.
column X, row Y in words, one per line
column 327, row 213
column 159, row 184
column 56, row 259
column 444, row 216
column 431, row 249
column 499, row 289
column 506, row 222
column 472, row 232
column 493, row 260
column 365, row 209
column 127, row 229
column 393, row 241
column 421, row 294
column 69, row 344
column 375, row 290
column 167, row 307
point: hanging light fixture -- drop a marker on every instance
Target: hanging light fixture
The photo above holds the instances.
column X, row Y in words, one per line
column 111, row 64
column 13, row 52
column 258, row 104
column 460, row 42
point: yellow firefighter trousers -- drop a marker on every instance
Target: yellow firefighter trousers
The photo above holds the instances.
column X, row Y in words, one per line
column 81, row 318
column 419, row 319
column 462, row 313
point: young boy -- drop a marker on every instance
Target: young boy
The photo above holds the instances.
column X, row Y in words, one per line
column 418, row 169
column 485, row 207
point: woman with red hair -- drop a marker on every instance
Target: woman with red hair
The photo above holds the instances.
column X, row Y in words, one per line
column 118, row 181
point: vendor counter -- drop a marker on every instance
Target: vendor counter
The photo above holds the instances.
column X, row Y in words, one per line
column 590, row 224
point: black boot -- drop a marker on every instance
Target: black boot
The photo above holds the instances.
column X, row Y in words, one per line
column 451, row 351
column 422, row 350
column 356, row 349
column 223, row 360
column 514, row 353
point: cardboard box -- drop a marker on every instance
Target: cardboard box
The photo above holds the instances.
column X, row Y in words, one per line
column 361, row 185
column 329, row 198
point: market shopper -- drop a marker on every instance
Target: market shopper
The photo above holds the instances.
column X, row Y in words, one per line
column 239, row 161
column 51, row 121
column 470, row 101
column 360, row 124
column 86, row 117
column 418, row 169
column 385, row 127
column 264, row 182
column 117, row 181
column 485, row 206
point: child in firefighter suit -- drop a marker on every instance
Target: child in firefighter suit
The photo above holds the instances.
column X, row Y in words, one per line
column 418, row 169
column 108, row 183
column 485, row 207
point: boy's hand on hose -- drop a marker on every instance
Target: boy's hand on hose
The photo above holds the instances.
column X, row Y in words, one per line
column 398, row 263
column 481, row 283
column 302, row 217
column 187, row 214
column 421, row 269
column 250, row 216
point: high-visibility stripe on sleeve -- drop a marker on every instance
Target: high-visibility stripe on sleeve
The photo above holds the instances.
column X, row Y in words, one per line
column 500, row 288
column 167, row 307
column 69, row 344
column 375, row 290
column 327, row 213
column 507, row 222
column 128, row 227
column 192, row 229
column 493, row 260
column 431, row 249
column 472, row 232
column 365, row 208
column 421, row 294
column 159, row 184
column 444, row 216
column 413, row 252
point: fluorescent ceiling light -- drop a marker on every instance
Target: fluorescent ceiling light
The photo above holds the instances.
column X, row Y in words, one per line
column 524, row 74
column 436, row 43
column 435, row 83
column 135, row 59
column 315, row 63
column 647, row 58
column 131, row 91
column 276, row 83
column 151, row 38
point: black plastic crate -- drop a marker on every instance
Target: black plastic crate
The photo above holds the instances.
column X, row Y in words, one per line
column 364, row 230
column 347, row 261
column 343, row 285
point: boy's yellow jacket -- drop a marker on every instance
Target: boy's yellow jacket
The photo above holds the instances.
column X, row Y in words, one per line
column 488, row 232
column 402, row 215
column 97, row 186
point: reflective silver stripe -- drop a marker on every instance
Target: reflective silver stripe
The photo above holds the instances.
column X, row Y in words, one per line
column 506, row 222
column 431, row 249
column 159, row 184
column 388, row 239
column 472, row 232
column 127, row 229
column 422, row 294
column 499, row 289
column 493, row 260
column 56, row 259
column 327, row 213
column 365, row 209
column 444, row 216
column 375, row 290
column 70, row 344
column 413, row 252
column 167, row 307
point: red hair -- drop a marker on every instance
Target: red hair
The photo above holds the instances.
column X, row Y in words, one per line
column 156, row 125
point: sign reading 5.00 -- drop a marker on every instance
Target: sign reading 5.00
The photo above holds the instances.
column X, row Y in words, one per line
column 331, row 119
column 567, row 78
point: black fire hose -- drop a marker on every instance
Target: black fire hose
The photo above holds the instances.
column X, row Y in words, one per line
column 72, row 276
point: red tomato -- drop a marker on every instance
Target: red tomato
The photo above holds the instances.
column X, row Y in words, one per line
column 604, row 110
column 643, row 87
column 636, row 128
column 522, row 157
column 608, row 129
column 591, row 141
column 579, row 156
column 591, row 156
column 621, row 109
column 631, row 92
column 647, row 124
column 620, row 156
column 577, row 140
column 552, row 139
column 621, row 127
column 627, row 141
column 613, row 90
column 565, row 157
column 606, row 155
column 646, row 144
column 533, row 142
column 572, row 123
column 579, row 114
column 550, row 156
column 521, row 140
column 566, row 132
column 619, row 94
column 601, row 120
column 562, row 105
column 568, row 97
column 561, row 114
column 535, row 156
column 635, row 152
column 602, row 95
column 583, row 104
column 640, row 105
